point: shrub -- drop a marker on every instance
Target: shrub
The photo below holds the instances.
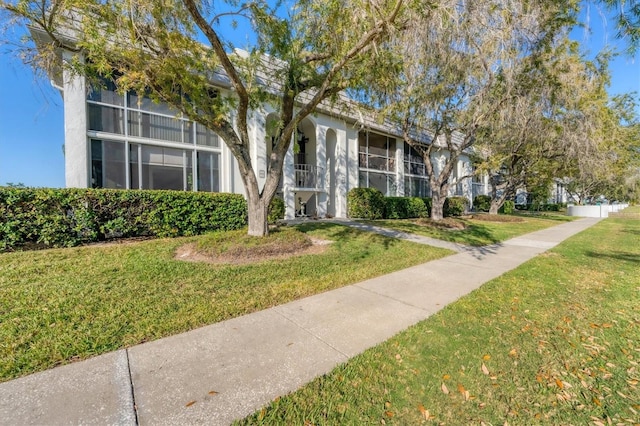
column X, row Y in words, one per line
column 427, row 203
column 508, row 207
column 455, row 206
column 482, row 203
column 68, row 217
column 417, row 207
column 366, row 203
column 404, row 207
column 276, row 210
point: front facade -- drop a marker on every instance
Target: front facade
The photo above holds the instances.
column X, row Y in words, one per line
column 129, row 142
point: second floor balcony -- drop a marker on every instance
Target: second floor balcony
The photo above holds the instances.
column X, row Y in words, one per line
column 307, row 176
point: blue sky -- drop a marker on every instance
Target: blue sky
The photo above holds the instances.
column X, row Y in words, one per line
column 32, row 123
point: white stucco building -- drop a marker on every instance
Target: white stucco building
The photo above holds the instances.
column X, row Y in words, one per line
column 129, row 142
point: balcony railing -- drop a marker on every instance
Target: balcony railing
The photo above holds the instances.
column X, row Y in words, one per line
column 306, row 176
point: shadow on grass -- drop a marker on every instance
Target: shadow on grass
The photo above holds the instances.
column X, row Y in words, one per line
column 478, row 241
column 619, row 255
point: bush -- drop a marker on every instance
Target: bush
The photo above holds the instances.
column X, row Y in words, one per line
column 508, row 207
column 68, row 217
column 427, row 203
column 404, row 207
column 482, row 203
column 276, row 210
column 366, row 203
column 454, row 206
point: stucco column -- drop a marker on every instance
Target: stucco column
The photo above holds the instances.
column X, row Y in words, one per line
column 400, row 168
column 288, row 177
column 321, row 164
column 76, row 145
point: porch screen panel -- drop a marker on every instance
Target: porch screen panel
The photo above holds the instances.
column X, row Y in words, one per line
column 105, row 119
column 208, row 172
column 108, row 164
column 162, row 168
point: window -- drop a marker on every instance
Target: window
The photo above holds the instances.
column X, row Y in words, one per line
column 413, row 162
column 105, row 92
column 208, row 172
column 206, row 137
column 376, row 152
column 157, row 127
column 416, row 187
column 151, row 166
column 107, row 164
column 105, row 119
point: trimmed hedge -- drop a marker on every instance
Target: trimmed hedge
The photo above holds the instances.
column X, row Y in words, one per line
column 276, row 210
column 482, row 203
column 404, row 208
column 455, row 206
column 508, row 207
column 69, row 217
column 366, row 203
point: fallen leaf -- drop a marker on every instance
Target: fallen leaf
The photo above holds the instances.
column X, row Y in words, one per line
column 212, row 392
column 485, row 370
column 425, row 413
column 606, row 325
column 446, row 377
column 559, row 384
column 466, row 395
column 513, row 353
column 388, row 414
column 189, row 404
column 461, row 388
column 486, row 357
column 387, row 404
column 596, row 401
column 444, row 388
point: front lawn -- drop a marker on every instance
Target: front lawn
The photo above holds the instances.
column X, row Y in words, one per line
column 555, row 341
column 63, row 305
column 476, row 232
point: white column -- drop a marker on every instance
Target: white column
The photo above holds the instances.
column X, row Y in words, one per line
column 400, row 168
column 288, row 178
column 321, row 164
column 76, row 145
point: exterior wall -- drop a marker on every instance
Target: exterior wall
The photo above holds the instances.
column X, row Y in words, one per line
column 334, row 155
column 76, row 149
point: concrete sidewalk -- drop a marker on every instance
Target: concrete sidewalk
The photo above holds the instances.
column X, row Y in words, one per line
column 225, row 371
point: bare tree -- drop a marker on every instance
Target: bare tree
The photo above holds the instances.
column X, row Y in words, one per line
column 451, row 58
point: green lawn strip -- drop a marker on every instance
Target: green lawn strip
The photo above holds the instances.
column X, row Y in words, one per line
column 62, row 305
column 477, row 232
column 555, row 341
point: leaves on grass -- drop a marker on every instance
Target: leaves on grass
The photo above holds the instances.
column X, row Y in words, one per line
column 485, row 370
column 425, row 413
column 444, row 388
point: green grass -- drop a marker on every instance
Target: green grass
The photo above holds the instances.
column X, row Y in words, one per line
column 477, row 232
column 62, row 305
column 555, row 341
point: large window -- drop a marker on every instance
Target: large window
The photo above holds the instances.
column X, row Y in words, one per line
column 160, row 164
column 377, row 158
column 415, row 180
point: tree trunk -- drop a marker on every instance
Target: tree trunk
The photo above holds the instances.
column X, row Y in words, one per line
column 495, row 206
column 257, row 210
column 437, row 206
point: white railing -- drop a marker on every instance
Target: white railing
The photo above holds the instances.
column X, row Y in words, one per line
column 306, row 176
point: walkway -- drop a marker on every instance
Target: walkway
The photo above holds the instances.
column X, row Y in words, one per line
column 228, row 370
